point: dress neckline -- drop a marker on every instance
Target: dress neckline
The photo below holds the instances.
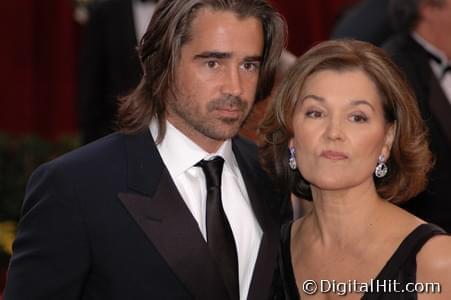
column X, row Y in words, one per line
column 408, row 244
column 412, row 243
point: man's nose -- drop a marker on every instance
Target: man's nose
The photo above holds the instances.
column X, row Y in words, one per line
column 232, row 84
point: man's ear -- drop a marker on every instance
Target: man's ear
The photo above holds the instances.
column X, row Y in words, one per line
column 427, row 10
column 423, row 10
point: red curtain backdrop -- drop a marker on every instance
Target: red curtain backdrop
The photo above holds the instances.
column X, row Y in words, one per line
column 309, row 21
column 39, row 50
column 2, row 281
column 38, row 57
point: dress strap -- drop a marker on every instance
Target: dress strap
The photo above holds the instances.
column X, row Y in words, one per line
column 287, row 283
column 409, row 248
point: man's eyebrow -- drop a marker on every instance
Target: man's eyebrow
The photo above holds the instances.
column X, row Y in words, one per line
column 213, row 54
column 223, row 55
column 253, row 58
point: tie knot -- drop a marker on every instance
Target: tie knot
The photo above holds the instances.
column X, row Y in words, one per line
column 445, row 66
column 212, row 170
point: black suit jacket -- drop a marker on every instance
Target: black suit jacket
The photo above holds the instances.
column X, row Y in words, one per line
column 109, row 65
column 434, row 204
column 107, row 222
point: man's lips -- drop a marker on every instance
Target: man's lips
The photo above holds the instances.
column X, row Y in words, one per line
column 333, row 155
column 233, row 112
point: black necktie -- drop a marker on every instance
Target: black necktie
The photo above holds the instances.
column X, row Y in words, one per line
column 219, row 234
column 444, row 67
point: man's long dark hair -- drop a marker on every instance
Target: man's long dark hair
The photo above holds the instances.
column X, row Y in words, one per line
column 160, row 47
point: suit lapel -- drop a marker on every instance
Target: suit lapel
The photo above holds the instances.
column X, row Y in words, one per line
column 266, row 259
column 162, row 214
column 436, row 102
column 420, row 75
column 440, row 107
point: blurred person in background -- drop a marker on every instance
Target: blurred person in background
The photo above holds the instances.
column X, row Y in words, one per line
column 109, row 62
column 422, row 49
column 367, row 20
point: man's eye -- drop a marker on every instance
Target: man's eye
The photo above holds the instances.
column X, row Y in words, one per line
column 251, row 66
column 212, row 64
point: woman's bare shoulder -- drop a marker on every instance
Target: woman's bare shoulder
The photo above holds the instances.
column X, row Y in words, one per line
column 434, row 265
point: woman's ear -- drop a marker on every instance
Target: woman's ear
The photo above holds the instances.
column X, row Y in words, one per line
column 389, row 139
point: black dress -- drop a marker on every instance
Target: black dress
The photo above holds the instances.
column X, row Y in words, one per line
column 400, row 268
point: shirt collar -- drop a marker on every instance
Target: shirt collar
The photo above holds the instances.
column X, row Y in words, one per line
column 431, row 49
column 180, row 153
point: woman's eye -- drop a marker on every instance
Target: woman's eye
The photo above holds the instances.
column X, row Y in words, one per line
column 359, row 118
column 314, row 114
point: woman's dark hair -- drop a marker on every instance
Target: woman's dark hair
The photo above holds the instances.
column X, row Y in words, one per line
column 410, row 158
column 160, row 47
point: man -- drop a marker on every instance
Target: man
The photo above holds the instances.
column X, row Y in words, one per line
column 109, row 64
column 423, row 50
column 142, row 214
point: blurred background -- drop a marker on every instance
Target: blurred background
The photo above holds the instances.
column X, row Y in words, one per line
column 56, row 56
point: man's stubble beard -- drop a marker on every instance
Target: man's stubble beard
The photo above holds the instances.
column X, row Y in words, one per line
column 216, row 128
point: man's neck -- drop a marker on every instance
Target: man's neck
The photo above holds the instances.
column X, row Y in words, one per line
column 207, row 144
column 434, row 37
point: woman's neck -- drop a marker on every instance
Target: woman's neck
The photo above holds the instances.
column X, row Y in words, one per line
column 341, row 218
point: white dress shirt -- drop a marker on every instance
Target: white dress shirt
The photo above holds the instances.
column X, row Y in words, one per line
column 437, row 68
column 180, row 154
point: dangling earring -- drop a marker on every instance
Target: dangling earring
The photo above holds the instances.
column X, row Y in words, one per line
column 292, row 159
column 381, row 167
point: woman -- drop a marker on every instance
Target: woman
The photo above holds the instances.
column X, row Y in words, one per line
column 344, row 131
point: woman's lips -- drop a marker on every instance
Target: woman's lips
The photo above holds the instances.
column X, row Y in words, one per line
column 333, row 155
